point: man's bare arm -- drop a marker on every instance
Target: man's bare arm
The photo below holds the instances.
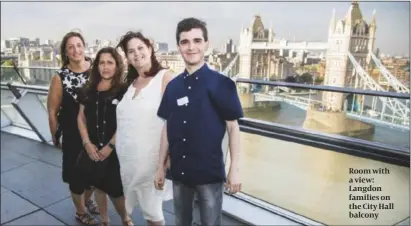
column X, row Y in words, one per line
column 234, row 144
column 163, row 148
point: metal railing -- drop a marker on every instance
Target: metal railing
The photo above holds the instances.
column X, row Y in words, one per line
column 402, row 155
column 354, row 146
column 384, row 117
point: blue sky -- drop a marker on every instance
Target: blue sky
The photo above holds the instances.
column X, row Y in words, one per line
column 107, row 20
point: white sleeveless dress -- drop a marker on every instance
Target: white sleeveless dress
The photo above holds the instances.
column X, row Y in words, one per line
column 138, row 146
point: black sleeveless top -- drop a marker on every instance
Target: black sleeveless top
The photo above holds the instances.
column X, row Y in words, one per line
column 100, row 112
column 67, row 118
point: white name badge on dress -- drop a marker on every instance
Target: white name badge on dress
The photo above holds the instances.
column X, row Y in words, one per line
column 182, row 101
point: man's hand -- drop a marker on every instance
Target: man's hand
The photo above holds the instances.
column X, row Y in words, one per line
column 233, row 181
column 104, row 152
column 159, row 179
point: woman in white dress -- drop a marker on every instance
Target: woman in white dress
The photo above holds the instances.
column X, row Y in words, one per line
column 139, row 128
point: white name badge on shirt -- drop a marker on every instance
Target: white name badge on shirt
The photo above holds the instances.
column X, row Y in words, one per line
column 182, row 101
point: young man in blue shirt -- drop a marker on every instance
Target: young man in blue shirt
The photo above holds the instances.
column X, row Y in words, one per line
column 199, row 106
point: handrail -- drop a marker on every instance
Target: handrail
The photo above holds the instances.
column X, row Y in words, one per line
column 274, row 83
column 33, row 67
column 293, row 85
column 30, row 88
column 326, row 88
column 287, row 84
column 353, row 146
column 349, row 145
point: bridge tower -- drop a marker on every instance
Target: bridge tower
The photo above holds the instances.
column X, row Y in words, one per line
column 351, row 34
column 255, row 32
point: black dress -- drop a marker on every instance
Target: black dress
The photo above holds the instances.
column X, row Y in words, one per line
column 100, row 113
column 72, row 82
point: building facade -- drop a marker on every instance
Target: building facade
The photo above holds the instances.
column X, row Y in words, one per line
column 263, row 57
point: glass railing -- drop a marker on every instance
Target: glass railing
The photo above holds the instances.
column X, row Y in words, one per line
column 9, row 111
column 363, row 116
column 292, row 179
column 299, row 172
column 298, row 160
column 39, row 76
column 27, row 111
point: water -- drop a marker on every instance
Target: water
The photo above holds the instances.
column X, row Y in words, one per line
column 314, row 182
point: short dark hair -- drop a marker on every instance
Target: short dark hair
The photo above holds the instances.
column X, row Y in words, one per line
column 132, row 73
column 190, row 23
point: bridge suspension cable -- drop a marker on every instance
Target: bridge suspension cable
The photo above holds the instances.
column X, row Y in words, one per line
column 230, row 65
column 392, row 80
column 397, row 107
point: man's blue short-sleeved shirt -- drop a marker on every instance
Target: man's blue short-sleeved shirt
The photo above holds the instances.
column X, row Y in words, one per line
column 196, row 108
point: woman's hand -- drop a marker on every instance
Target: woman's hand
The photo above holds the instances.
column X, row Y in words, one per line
column 159, row 179
column 56, row 143
column 92, row 152
column 168, row 163
column 104, row 152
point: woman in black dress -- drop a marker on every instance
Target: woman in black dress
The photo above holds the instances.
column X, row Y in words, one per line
column 97, row 124
column 63, row 106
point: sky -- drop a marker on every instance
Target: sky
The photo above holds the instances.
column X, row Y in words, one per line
column 307, row 21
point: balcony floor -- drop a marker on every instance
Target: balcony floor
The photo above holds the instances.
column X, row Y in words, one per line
column 33, row 193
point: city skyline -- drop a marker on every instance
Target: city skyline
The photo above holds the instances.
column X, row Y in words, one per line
column 306, row 21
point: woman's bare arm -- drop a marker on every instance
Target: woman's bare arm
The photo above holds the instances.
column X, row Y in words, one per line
column 54, row 99
column 82, row 126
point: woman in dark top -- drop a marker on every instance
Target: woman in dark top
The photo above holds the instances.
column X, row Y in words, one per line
column 63, row 106
column 97, row 125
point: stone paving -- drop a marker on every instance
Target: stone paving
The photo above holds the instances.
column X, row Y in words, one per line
column 32, row 192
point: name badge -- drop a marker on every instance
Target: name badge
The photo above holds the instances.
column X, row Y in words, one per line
column 182, row 101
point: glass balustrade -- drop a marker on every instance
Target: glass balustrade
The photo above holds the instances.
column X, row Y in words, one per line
column 10, row 112
column 28, row 113
column 364, row 117
column 315, row 182
column 290, row 177
column 32, row 76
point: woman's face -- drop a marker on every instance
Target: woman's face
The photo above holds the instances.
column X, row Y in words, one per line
column 75, row 49
column 138, row 53
column 107, row 66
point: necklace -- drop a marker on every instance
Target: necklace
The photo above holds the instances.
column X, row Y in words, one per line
column 100, row 141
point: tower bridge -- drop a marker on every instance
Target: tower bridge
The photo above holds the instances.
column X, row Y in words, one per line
column 349, row 57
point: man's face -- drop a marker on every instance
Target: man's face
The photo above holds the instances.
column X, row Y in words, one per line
column 192, row 46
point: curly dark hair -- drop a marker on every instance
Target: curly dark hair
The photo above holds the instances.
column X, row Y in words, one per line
column 117, row 84
column 132, row 73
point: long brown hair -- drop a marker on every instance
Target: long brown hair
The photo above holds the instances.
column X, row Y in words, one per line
column 117, row 83
column 132, row 73
column 63, row 46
